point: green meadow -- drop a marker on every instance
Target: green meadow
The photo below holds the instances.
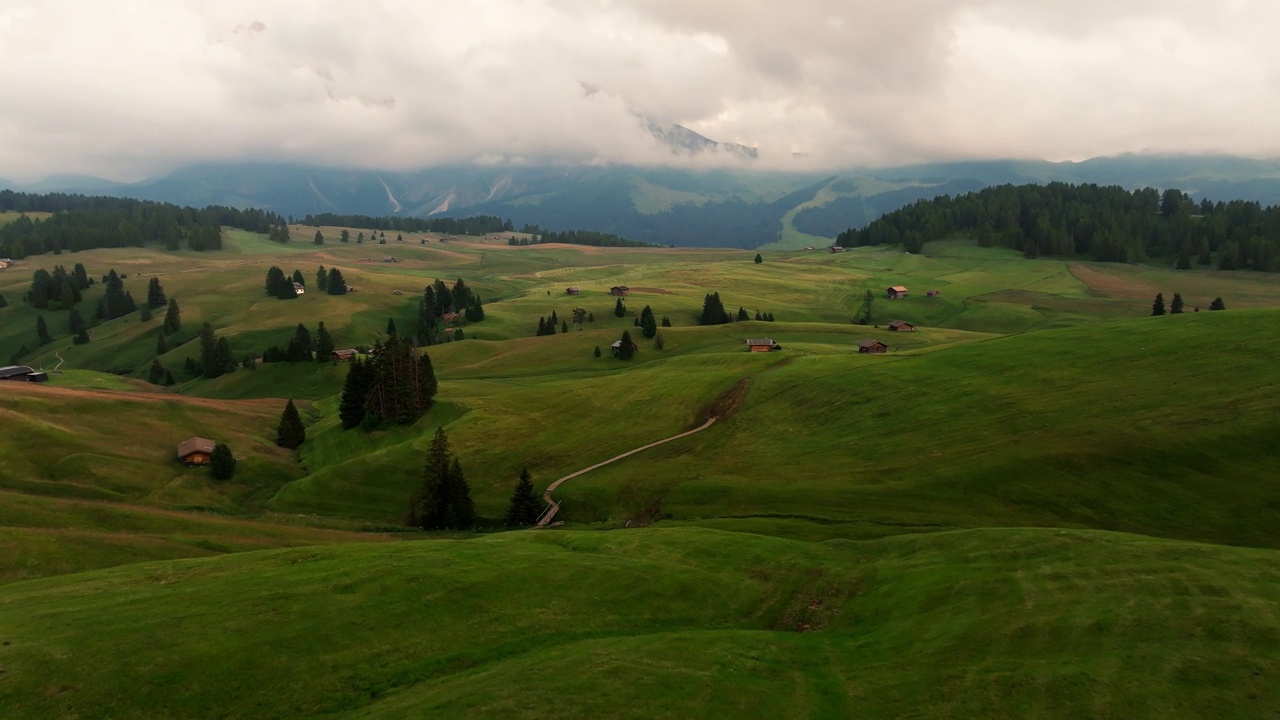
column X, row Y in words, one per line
column 1043, row 503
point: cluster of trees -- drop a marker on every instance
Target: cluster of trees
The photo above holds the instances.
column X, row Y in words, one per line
column 395, row 385
column 478, row 225
column 626, row 347
column 279, row 233
column 329, row 281
column 548, row 325
column 540, row 236
column 216, row 358
column 116, row 301
column 443, row 499
column 647, row 323
column 59, row 288
column 81, row 222
column 302, row 347
column 1177, row 306
column 713, row 312
column 437, row 299
column 1103, row 223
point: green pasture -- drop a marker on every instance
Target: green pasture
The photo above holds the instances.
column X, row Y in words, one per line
column 659, row 623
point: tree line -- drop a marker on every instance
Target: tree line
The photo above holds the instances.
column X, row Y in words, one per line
column 1103, row 223
column 395, row 385
column 81, row 222
column 540, row 236
column 477, row 225
column 438, row 299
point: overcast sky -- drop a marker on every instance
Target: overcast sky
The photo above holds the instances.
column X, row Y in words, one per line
column 129, row 88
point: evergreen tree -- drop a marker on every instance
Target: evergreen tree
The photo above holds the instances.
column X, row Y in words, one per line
column 648, row 323
column 713, row 312
column 337, row 285
column 42, row 330
column 155, row 375
column 619, row 309
column 591, row 317
column 345, row 236
column 1157, row 307
column 290, row 433
column 564, row 326
column 297, row 277
column 542, row 327
column 322, row 279
column 1184, row 257
column 3, row 302
column 597, row 353
column 1217, row 304
column 155, row 294
column 391, row 326
column 475, row 311
column 864, row 313
column 275, row 279
column 74, row 322
column 208, row 353
column 659, row 342
column 1175, row 308
column 168, row 379
column 324, row 344
column 285, row 291
column 162, row 347
column 80, row 276
column 627, row 349
column 145, row 315
column 319, row 238
column 666, row 321
column 742, row 314
column 461, row 295
column 759, row 259
column 172, row 318
column 431, row 499
column 461, row 511
column 81, row 338
column 355, row 392
column 222, row 462
column 223, row 359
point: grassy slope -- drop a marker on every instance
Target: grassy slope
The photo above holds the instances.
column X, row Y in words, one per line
column 660, row 624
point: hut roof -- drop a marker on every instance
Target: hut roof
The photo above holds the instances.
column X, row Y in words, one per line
column 194, row 445
column 760, row 341
column 869, row 343
column 898, row 288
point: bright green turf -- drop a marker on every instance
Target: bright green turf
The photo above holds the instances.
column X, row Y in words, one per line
column 674, row 623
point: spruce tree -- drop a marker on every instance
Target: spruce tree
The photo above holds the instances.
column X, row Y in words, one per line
column 285, row 291
column 145, row 315
column 42, row 330
column 1175, row 308
column 222, row 462
column 275, row 278
column 432, row 496
column 155, row 294
column 713, row 312
column 322, row 279
column 355, row 393
column 3, row 302
column 564, row 326
column 223, row 359
column 1217, row 304
column 742, row 314
column 619, row 309
column 290, row 433
column 1157, row 307
column 155, row 375
column 81, row 338
column 461, row 510
column 324, row 344
column 391, row 326
column 597, row 353
column 168, row 378
column 337, row 285
column 666, row 321
column 162, row 347
column 648, row 323
column 319, row 238
column 172, row 318
column 74, row 322
column 759, row 259
column 627, row 349
column 208, row 352
column 297, row 277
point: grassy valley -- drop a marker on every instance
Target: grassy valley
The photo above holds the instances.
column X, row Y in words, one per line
column 1041, row 503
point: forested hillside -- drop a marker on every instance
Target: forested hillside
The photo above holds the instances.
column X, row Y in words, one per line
column 1103, row 223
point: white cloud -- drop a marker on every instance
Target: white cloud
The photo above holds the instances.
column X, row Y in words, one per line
column 126, row 89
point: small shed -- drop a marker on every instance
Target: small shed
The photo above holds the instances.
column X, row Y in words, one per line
column 616, row 347
column 901, row 326
column 808, row 247
column 836, row 249
column 22, row 373
column 345, row 354
column 933, row 293
column 299, row 288
column 619, row 290
column 895, row 292
column 872, row 346
column 572, row 291
column 196, row 451
column 759, row 344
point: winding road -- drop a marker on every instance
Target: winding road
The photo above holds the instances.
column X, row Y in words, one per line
column 553, row 507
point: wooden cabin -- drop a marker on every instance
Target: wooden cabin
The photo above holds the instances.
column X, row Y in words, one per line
column 895, row 292
column 901, row 326
column 196, row 451
column 836, row 249
column 616, row 347
column 572, row 291
column 22, row 373
column 759, row 344
column 619, row 290
column 872, row 346
column 299, row 289
column 347, row 354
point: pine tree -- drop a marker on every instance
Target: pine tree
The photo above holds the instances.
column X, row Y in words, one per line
column 648, row 323
column 155, row 375
column 155, row 294
column 666, row 321
column 290, row 433
column 3, row 302
column 145, row 315
column 542, row 327
column 324, row 344
column 597, row 353
column 222, row 462
column 564, row 326
column 285, row 290
column 168, row 379
column 1217, row 304
column 80, row 276
column 742, row 314
column 659, row 342
column 391, row 326
column 42, row 330
column 223, row 359
column 619, row 309
column 713, row 312
column 432, row 498
column 172, row 318
column 627, row 349
column 275, row 278
column 74, row 322
column 1157, row 307
column 355, row 392
column 322, row 279
column 162, row 347
column 1175, row 308
column 81, row 338
column 759, row 259
column 475, row 311
column 461, row 510
column 297, row 277
column 337, row 285
column 208, row 349
column 319, row 238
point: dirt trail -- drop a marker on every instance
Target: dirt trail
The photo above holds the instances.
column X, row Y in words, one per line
column 722, row 407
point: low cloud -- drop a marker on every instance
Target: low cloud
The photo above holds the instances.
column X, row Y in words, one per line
column 91, row 88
